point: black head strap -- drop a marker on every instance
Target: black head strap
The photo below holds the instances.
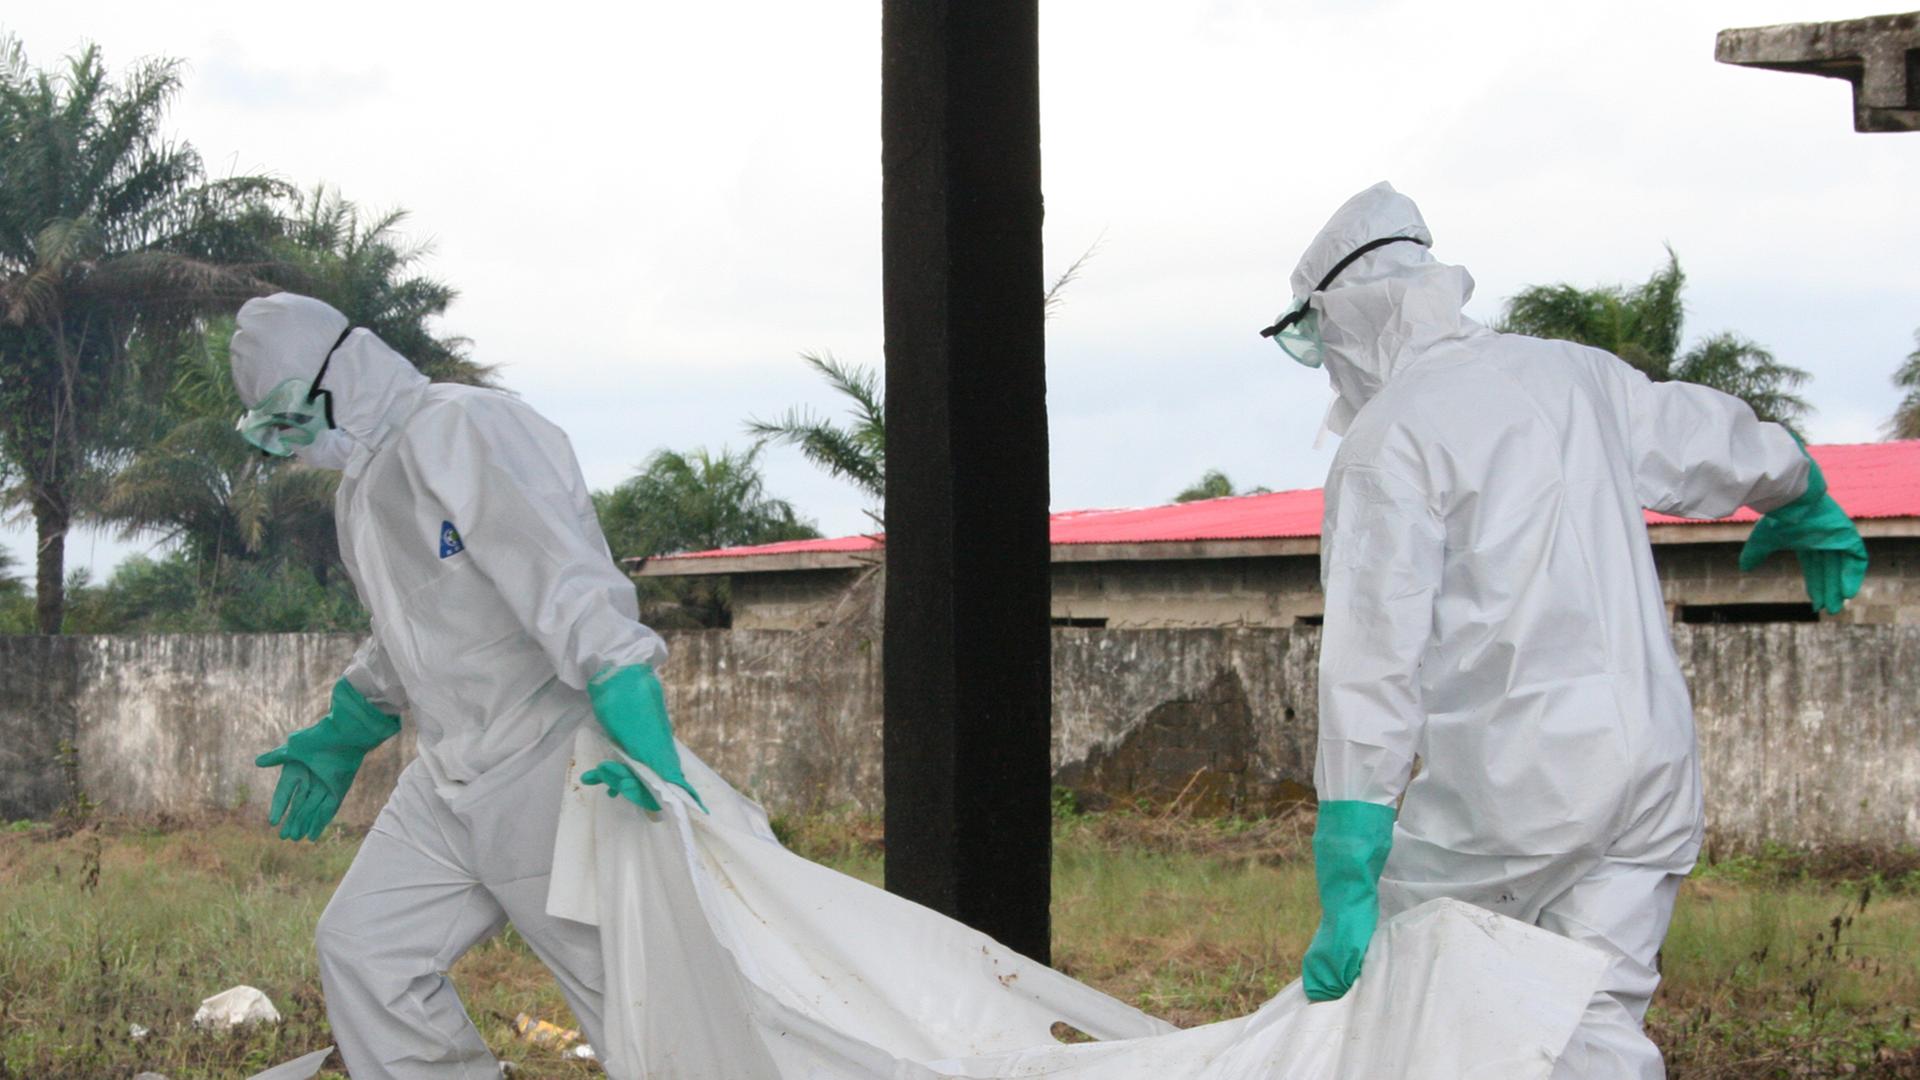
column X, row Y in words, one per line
column 314, row 391
column 1292, row 317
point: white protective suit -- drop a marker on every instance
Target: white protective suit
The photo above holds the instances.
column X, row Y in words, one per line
column 1493, row 610
column 467, row 529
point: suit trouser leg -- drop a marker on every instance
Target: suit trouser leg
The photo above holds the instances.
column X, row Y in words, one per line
column 1623, row 910
column 406, row 910
column 1617, row 906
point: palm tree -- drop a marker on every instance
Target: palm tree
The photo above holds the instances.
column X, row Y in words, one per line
column 856, row 452
column 199, row 485
column 109, row 233
column 248, row 527
column 1642, row 325
column 693, row 501
column 1906, row 416
column 364, row 267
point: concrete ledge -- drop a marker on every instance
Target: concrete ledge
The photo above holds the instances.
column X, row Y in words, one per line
column 753, row 564
column 1877, row 55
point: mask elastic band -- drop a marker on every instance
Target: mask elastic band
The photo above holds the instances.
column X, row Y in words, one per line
column 1299, row 313
column 313, row 390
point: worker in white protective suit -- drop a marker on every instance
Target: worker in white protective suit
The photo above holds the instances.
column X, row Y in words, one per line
column 500, row 624
column 1493, row 612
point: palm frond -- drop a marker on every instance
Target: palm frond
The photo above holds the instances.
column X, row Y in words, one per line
column 1905, row 423
column 1734, row 365
column 1051, row 301
column 1655, row 314
column 839, row 451
column 859, row 384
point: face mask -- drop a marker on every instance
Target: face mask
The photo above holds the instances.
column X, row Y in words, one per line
column 292, row 414
column 1298, row 331
column 289, row 417
column 1298, row 334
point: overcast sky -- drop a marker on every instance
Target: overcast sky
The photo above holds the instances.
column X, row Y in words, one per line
column 651, row 208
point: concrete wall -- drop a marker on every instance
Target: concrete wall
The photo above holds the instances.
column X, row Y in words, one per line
column 1281, row 591
column 1809, row 733
column 789, row 599
column 1189, row 593
column 167, row 724
column 1709, row 574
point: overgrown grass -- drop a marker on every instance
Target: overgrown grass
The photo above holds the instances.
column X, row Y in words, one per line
column 1778, row 965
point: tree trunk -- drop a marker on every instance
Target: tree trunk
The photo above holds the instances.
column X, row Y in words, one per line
column 50, row 519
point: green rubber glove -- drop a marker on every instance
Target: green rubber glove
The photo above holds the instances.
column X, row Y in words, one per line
column 1350, row 844
column 317, row 764
column 631, row 706
column 1833, row 558
column 621, row 782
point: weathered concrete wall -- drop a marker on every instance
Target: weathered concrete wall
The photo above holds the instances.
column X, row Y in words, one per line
column 1809, row 733
column 789, row 599
column 1189, row 593
column 791, row 718
column 39, row 680
column 168, row 724
column 1222, row 719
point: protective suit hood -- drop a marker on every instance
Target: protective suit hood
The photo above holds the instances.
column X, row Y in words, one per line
column 287, row 336
column 1385, row 310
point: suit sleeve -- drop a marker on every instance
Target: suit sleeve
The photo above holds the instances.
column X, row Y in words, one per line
column 509, row 478
column 371, row 673
column 1382, row 556
column 1700, row 453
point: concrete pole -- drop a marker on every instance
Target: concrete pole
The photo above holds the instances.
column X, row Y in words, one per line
column 967, row 647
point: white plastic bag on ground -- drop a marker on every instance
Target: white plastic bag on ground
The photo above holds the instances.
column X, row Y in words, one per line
column 231, row 1008
column 727, row 955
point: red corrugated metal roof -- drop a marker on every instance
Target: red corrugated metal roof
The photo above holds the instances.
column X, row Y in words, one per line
column 1871, row 480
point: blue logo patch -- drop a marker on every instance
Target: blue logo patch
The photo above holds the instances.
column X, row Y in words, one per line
column 450, row 544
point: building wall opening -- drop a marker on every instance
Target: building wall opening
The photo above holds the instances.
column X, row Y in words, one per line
column 1729, row 614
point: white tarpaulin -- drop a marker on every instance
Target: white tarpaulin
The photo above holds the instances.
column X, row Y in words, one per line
column 729, row 956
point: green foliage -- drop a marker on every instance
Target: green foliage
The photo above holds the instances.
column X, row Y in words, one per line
column 362, row 265
column 195, row 483
column 855, row 452
column 693, row 501
column 1906, row 416
column 177, row 593
column 16, row 603
column 258, row 532
column 109, row 233
column 1213, row 484
column 1642, row 324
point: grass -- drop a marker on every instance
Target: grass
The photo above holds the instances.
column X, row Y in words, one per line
column 1778, row 965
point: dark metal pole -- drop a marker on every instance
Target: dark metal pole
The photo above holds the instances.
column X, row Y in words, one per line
column 967, row 648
